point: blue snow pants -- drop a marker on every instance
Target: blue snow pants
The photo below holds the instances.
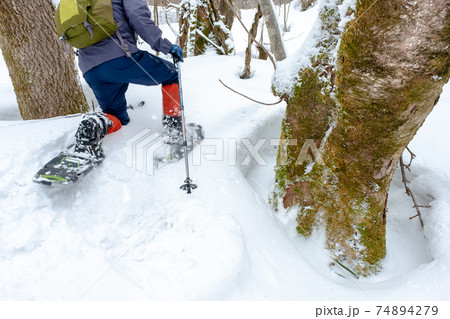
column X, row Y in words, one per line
column 110, row 80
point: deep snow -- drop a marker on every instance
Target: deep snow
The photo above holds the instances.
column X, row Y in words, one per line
column 123, row 234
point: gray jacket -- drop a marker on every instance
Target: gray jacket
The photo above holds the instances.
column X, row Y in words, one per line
column 137, row 19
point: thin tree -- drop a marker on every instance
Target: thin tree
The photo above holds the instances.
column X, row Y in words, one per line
column 44, row 77
column 353, row 117
column 251, row 36
column 273, row 28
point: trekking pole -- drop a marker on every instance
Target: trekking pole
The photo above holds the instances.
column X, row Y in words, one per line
column 188, row 185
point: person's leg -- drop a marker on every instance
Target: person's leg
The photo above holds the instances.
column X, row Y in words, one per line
column 147, row 69
column 110, row 96
column 171, row 106
column 152, row 70
column 110, row 80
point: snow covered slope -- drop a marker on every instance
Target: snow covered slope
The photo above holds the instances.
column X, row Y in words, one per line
column 123, row 234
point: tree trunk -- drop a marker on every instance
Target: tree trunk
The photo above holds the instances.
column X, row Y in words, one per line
column 273, row 28
column 226, row 12
column 156, row 16
column 43, row 76
column 222, row 33
column 156, row 3
column 286, row 9
column 392, row 64
column 248, row 52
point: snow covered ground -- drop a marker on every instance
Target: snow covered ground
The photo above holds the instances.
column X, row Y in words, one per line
column 121, row 234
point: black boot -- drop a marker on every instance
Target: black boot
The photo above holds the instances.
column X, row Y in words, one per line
column 174, row 136
column 93, row 127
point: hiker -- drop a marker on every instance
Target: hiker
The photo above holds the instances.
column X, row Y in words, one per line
column 110, row 65
column 105, row 32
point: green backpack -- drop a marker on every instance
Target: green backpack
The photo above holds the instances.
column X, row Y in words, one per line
column 82, row 23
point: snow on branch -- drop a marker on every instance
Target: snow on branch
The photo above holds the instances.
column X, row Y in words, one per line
column 200, row 33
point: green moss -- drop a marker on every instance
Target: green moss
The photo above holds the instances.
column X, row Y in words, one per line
column 440, row 65
column 329, row 17
column 373, row 236
column 306, row 220
column 309, row 110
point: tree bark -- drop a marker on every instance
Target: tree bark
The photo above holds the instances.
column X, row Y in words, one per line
column 392, row 64
column 43, row 76
column 273, row 28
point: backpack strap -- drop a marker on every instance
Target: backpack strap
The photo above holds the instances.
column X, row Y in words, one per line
column 89, row 28
column 122, row 42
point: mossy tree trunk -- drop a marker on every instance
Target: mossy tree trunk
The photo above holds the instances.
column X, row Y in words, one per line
column 44, row 77
column 202, row 26
column 392, row 63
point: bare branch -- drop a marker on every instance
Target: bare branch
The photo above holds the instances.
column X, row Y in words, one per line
column 413, row 156
column 408, row 190
column 281, row 99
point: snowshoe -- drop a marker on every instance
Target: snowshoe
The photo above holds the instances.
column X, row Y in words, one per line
column 173, row 139
column 80, row 158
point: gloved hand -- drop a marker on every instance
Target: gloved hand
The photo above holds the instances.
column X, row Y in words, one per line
column 177, row 53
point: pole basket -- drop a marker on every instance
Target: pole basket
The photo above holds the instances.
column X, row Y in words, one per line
column 188, row 185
